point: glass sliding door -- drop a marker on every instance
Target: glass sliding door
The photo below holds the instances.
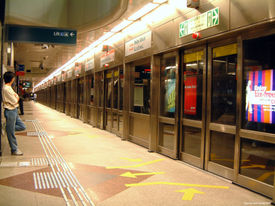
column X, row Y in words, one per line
column 167, row 137
column 257, row 134
column 139, row 123
column 192, row 118
column 221, row 125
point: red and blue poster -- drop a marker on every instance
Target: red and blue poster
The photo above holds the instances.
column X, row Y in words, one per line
column 260, row 96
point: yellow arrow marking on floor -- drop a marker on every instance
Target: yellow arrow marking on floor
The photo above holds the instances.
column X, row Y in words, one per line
column 189, row 193
column 253, row 166
column 174, row 183
column 131, row 160
column 138, row 165
column 265, row 176
column 133, row 175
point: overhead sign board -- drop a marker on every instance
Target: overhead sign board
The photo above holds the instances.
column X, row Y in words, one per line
column 18, row 33
column 138, row 44
column 205, row 20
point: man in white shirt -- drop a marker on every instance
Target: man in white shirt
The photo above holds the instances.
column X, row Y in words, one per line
column 13, row 121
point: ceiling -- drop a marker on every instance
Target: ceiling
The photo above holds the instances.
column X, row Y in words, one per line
column 41, row 59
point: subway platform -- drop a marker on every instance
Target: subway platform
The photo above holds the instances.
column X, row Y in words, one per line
column 66, row 162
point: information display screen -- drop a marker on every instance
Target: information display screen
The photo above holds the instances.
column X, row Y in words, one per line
column 260, row 96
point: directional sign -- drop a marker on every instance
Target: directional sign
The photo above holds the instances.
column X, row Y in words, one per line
column 189, row 193
column 198, row 23
column 18, row 33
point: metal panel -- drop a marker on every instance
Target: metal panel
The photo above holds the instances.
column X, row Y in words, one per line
column 167, row 152
column 126, row 99
column 221, row 170
column 154, row 99
column 246, row 12
column 222, row 27
column 190, row 159
column 223, row 128
column 192, row 123
column 255, row 135
column 164, row 37
column 139, row 141
column 255, row 185
column 167, row 120
column 140, row 126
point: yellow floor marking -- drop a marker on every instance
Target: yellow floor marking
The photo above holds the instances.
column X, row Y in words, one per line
column 138, row 165
column 174, row 183
column 253, row 166
column 189, row 193
column 131, row 160
column 265, row 176
column 133, row 175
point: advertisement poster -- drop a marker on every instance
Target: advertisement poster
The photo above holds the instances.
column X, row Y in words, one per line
column 260, row 96
column 170, row 86
column 190, row 95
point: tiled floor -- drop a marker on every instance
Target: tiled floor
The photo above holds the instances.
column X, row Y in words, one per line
column 110, row 172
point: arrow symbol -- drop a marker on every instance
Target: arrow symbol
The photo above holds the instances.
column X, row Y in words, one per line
column 134, row 175
column 189, row 193
column 72, row 34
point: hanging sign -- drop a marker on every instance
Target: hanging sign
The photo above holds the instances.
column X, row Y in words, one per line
column 19, row 33
column 138, row 44
column 205, row 20
column 107, row 57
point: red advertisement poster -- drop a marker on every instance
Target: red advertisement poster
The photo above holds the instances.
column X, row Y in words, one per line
column 190, row 96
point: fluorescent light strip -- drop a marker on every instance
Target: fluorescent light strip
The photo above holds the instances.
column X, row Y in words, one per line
column 121, row 26
column 144, row 10
column 68, row 65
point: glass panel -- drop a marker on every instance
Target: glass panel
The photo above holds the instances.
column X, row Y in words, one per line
column 100, row 88
column 108, row 89
column 192, row 84
column 109, row 120
column 81, row 90
column 224, row 84
column 259, row 84
column 167, row 136
column 115, row 90
column 92, row 87
column 141, row 89
column 115, row 121
column 121, row 85
column 120, row 126
column 258, row 160
column 192, row 141
column 168, row 87
column 222, row 148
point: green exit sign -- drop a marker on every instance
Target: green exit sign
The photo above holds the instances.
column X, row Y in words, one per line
column 205, row 20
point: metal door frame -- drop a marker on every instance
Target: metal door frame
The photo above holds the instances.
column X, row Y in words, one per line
column 201, row 124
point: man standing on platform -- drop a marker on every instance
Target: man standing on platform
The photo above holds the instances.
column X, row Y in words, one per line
column 13, row 121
